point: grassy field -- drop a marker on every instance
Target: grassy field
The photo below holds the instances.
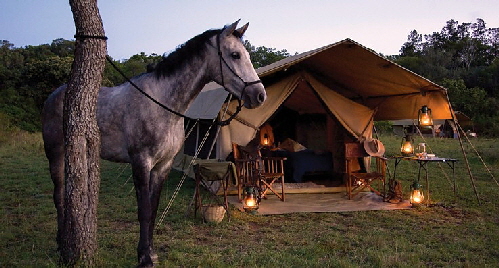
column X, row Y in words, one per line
column 450, row 233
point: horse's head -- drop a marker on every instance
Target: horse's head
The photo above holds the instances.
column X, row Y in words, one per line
column 235, row 71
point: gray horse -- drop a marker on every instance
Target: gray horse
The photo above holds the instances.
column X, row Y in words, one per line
column 138, row 131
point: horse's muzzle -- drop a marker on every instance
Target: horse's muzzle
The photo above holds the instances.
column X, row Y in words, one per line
column 254, row 96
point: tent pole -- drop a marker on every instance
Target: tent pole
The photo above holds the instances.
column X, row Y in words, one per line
column 454, row 119
column 213, row 143
column 479, row 156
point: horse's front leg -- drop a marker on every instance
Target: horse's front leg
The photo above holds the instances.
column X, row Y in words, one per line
column 141, row 178
column 157, row 180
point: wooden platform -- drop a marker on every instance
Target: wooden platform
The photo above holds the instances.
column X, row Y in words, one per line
column 322, row 202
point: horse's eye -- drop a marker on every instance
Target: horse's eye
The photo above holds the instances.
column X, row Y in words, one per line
column 235, row 55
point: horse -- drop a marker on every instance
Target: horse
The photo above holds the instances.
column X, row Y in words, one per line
column 136, row 130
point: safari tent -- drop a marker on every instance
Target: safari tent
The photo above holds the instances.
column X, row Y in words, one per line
column 320, row 99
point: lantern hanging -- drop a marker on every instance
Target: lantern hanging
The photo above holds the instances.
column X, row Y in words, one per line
column 425, row 118
column 417, row 196
column 407, row 146
column 266, row 141
column 251, row 201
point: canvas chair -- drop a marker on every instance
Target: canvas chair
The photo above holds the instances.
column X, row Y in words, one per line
column 254, row 170
column 357, row 178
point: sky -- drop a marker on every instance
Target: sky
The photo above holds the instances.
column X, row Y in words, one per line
column 159, row 26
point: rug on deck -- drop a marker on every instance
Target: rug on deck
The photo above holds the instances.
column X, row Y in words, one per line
column 324, row 202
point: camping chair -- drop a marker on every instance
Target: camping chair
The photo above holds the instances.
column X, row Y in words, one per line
column 254, row 170
column 271, row 171
column 359, row 178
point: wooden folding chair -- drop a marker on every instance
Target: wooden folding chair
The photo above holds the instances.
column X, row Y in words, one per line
column 358, row 179
column 271, row 172
column 246, row 170
column 254, row 170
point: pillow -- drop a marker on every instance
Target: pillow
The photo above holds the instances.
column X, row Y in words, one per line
column 291, row 145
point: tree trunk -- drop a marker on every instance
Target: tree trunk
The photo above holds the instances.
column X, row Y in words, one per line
column 82, row 138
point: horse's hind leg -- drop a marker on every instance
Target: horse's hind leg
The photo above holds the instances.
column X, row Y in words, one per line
column 56, row 165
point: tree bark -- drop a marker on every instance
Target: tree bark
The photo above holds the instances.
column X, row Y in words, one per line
column 82, row 138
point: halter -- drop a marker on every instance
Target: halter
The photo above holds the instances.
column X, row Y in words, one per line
column 246, row 84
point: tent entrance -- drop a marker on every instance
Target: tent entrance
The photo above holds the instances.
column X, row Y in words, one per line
column 310, row 137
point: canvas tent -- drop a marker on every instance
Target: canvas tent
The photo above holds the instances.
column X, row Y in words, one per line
column 340, row 86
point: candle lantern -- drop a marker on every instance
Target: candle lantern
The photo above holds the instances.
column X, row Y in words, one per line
column 266, row 141
column 417, row 196
column 407, row 147
column 266, row 136
column 251, row 199
column 425, row 119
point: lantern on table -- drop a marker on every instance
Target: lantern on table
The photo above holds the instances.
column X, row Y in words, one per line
column 425, row 119
column 251, row 201
column 417, row 196
column 407, row 147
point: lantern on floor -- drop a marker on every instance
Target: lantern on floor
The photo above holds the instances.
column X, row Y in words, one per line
column 251, row 199
column 425, row 118
column 407, row 147
column 417, row 196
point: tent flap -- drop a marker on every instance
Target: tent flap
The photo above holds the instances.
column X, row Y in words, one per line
column 242, row 129
column 353, row 116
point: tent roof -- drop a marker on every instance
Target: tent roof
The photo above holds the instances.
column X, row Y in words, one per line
column 360, row 75
column 364, row 76
column 208, row 103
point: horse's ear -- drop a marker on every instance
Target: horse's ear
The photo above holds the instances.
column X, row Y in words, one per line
column 243, row 29
column 230, row 29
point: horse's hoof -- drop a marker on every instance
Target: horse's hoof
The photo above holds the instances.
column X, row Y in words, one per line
column 154, row 258
column 149, row 261
column 145, row 262
column 145, row 265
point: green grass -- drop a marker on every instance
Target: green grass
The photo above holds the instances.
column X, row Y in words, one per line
column 447, row 234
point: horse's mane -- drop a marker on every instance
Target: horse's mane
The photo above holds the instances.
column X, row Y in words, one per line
column 186, row 52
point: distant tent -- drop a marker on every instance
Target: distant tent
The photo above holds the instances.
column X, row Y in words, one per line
column 444, row 128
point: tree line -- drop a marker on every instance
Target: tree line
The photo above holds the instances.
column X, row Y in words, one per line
column 462, row 57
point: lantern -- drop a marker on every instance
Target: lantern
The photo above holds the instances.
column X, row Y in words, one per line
column 266, row 140
column 425, row 119
column 251, row 199
column 417, row 196
column 407, row 147
column 266, row 136
column 422, row 150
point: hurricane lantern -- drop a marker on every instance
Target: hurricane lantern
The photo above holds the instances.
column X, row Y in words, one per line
column 251, row 200
column 425, row 118
column 417, row 196
column 407, row 147
column 266, row 140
